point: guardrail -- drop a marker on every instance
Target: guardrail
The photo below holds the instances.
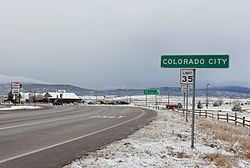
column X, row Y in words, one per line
column 227, row 117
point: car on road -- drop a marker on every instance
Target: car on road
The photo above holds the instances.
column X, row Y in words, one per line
column 58, row 102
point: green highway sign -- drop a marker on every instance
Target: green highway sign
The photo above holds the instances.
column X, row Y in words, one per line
column 195, row 61
column 151, row 92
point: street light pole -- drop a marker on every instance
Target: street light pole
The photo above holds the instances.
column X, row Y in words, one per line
column 96, row 96
column 127, row 95
column 168, row 96
column 207, row 96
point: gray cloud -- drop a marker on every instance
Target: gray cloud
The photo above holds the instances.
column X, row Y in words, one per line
column 119, row 43
column 22, row 79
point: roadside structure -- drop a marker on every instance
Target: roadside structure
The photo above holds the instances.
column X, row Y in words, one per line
column 66, row 97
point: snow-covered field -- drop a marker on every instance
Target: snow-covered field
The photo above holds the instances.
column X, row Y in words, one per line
column 166, row 142
column 140, row 99
column 19, row 107
column 226, row 107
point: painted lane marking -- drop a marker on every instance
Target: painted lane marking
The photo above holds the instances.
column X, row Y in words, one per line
column 68, row 141
column 52, row 113
column 42, row 122
column 99, row 116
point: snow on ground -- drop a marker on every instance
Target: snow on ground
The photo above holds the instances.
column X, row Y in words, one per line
column 166, row 142
column 20, row 108
column 226, row 107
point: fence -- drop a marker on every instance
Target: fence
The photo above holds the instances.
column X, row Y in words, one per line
column 227, row 117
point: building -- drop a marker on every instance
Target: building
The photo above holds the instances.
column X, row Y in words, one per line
column 66, row 97
column 32, row 97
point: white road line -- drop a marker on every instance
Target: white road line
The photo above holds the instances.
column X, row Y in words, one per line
column 75, row 139
column 42, row 122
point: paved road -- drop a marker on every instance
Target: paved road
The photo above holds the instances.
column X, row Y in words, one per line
column 54, row 137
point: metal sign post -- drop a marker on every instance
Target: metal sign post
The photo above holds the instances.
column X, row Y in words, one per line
column 184, row 103
column 186, row 77
column 155, row 101
column 193, row 114
column 150, row 92
column 187, row 106
column 185, row 90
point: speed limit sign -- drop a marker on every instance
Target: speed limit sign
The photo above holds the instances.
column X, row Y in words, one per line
column 186, row 76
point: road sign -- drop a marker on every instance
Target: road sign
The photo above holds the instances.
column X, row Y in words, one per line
column 186, row 76
column 184, row 88
column 195, row 61
column 151, row 92
column 15, row 87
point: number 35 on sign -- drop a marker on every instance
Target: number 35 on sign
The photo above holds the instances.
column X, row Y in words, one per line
column 186, row 76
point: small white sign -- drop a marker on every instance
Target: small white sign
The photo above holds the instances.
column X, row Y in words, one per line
column 184, row 88
column 186, row 76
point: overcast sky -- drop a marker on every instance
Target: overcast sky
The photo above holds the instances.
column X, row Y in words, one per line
column 118, row 43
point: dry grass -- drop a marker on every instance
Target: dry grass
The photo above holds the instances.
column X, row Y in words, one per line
column 177, row 154
column 220, row 159
column 181, row 155
column 238, row 138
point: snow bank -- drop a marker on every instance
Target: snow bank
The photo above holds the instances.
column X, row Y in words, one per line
column 20, row 108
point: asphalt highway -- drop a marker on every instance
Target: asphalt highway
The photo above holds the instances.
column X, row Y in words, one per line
column 54, row 137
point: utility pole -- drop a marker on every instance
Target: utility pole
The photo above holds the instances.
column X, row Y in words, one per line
column 130, row 99
column 156, row 102
column 127, row 96
column 207, row 96
column 96, row 96
column 15, row 98
column 34, row 97
column 19, row 98
column 168, row 96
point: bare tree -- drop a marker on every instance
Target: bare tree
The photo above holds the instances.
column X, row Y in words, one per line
column 236, row 107
column 39, row 97
column 10, row 96
column 220, row 101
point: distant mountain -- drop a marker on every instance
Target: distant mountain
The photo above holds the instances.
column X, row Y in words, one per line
column 27, row 87
column 121, row 92
column 227, row 91
column 237, row 89
column 174, row 91
column 55, row 87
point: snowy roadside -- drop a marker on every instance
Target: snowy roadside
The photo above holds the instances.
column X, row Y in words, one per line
column 20, row 108
column 166, row 142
